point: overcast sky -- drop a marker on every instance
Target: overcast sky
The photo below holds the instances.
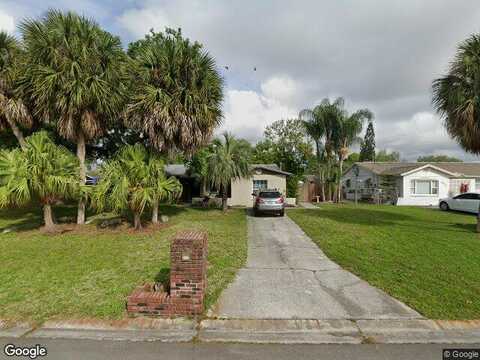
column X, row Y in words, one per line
column 378, row 54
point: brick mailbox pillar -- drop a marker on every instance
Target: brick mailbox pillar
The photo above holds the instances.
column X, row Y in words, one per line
column 188, row 281
column 188, row 269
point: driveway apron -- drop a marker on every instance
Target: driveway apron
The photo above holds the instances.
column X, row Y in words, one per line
column 288, row 277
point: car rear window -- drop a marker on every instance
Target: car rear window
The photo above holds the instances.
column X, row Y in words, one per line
column 270, row 194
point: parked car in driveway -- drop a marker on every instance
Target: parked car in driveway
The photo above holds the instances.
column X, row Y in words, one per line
column 468, row 202
column 268, row 201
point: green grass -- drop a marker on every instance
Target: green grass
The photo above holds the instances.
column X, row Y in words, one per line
column 88, row 273
column 426, row 258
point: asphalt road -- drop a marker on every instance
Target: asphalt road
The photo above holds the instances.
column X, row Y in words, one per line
column 122, row 350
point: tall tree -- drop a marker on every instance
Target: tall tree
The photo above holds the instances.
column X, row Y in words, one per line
column 264, row 152
column 41, row 170
column 176, row 100
column 289, row 145
column 320, row 124
column 456, row 97
column 227, row 161
column 13, row 113
column 346, row 132
column 367, row 148
column 74, row 75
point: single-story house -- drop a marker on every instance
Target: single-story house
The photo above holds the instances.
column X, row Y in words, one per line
column 414, row 183
column 263, row 176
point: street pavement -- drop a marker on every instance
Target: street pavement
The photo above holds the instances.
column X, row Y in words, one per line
column 125, row 350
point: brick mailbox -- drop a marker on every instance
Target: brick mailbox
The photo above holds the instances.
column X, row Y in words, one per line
column 188, row 281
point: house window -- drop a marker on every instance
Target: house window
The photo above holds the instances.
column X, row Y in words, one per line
column 348, row 183
column 424, row 187
column 259, row 185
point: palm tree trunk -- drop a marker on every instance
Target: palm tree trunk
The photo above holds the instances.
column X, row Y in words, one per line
column 155, row 212
column 48, row 218
column 320, row 172
column 137, row 223
column 83, row 175
column 339, row 190
column 18, row 134
column 327, row 181
column 224, row 199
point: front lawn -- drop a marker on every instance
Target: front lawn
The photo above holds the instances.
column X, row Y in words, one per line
column 89, row 272
column 426, row 258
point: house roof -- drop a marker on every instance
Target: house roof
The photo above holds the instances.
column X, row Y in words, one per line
column 180, row 170
column 270, row 167
column 398, row 168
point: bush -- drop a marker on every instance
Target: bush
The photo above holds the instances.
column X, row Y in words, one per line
column 292, row 186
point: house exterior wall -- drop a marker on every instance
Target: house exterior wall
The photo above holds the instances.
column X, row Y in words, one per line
column 455, row 184
column 363, row 176
column 448, row 186
column 424, row 200
column 242, row 188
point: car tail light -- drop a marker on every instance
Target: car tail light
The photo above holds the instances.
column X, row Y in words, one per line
column 279, row 201
column 260, row 201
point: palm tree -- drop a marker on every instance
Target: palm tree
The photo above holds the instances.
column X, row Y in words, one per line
column 177, row 98
column 127, row 183
column 227, row 161
column 74, row 75
column 198, row 168
column 320, row 123
column 456, row 97
column 164, row 188
column 43, row 171
column 13, row 112
column 346, row 133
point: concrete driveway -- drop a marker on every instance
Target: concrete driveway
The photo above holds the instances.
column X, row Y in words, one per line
column 288, row 277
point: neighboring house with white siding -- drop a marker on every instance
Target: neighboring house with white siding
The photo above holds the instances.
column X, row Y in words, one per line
column 420, row 184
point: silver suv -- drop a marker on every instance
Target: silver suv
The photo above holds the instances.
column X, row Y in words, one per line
column 268, row 201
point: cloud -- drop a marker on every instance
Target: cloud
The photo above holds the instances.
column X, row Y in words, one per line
column 139, row 21
column 422, row 134
column 7, row 22
column 281, row 88
column 247, row 113
column 382, row 55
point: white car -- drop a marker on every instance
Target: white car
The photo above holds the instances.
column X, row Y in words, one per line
column 468, row 202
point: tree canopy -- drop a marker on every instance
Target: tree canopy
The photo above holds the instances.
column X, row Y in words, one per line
column 456, row 95
column 385, row 156
column 367, row 147
column 177, row 95
column 438, row 158
column 227, row 160
column 41, row 171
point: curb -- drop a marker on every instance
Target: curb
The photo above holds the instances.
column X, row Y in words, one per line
column 388, row 331
column 280, row 331
column 138, row 329
column 396, row 331
column 14, row 329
